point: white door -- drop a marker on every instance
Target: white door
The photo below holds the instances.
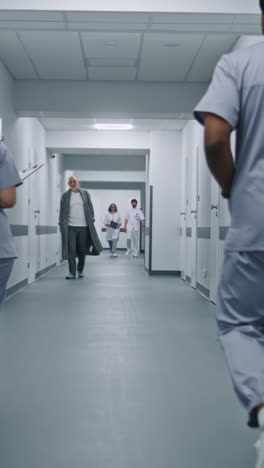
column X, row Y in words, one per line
column 33, row 221
column 214, row 246
column 194, row 215
column 59, row 250
column 183, row 219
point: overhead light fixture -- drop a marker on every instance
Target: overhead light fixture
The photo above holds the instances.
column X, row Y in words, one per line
column 113, row 126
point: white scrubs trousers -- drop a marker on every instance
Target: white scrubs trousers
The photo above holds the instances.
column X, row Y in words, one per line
column 133, row 241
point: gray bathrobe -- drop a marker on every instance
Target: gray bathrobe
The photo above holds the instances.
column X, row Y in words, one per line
column 94, row 246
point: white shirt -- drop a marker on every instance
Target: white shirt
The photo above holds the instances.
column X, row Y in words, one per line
column 134, row 216
column 110, row 232
column 77, row 214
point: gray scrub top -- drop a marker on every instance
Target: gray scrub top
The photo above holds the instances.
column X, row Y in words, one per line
column 9, row 177
column 236, row 94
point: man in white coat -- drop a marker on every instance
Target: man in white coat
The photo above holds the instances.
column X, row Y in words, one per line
column 134, row 219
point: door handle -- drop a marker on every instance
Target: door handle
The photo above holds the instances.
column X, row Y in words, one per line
column 182, row 213
column 214, row 207
column 36, row 211
column 194, row 211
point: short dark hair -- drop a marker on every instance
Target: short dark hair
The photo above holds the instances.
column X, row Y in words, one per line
column 134, row 200
column 261, row 2
column 112, row 204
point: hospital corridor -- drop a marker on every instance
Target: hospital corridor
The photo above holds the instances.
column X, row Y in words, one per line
column 122, row 370
column 113, row 235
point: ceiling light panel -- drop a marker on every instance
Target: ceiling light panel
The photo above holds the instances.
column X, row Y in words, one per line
column 159, row 63
column 15, row 57
column 113, row 126
column 56, row 55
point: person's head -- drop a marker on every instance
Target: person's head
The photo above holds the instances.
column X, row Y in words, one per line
column 134, row 203
column 73, row 183
column 261, row 3
column 112, row 208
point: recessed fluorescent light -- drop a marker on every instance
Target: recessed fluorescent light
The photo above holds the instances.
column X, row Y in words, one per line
column 113, row 126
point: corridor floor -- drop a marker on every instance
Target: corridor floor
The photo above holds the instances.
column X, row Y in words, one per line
column 117, row 370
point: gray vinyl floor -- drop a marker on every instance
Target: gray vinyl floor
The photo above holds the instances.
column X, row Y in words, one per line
column 117, row 370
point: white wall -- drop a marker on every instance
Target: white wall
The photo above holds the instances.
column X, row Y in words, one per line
column 191, row 140
column 110, row 176
column 25, row 138
column 164, row 176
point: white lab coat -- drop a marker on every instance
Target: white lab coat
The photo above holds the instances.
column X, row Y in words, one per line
column 133, row 217
column 112, row 234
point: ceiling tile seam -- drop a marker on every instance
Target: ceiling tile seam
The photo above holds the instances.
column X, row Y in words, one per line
column 43, row 125
column 83, row 56
column 159, row 31
column 30, row 21
column 28, row 55
column 195, row 58
column 149, row 24
column 7, row 67
column 139, row 31
column 233, row 44
column 65, row 20
column 146, row 24
column 139, row 55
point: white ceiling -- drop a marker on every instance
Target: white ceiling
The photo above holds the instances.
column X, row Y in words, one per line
column 86, row 124
column 118, row 46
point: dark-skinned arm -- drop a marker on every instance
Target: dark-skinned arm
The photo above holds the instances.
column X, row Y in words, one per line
column 8, row 197
column 218, row 151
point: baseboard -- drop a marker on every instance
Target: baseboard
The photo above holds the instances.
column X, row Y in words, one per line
column 14, row 289
column 118, row 248
column 163, row 273
column 203, row 290
column 188, row 279
column 45, row 270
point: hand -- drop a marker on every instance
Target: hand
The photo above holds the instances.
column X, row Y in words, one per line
column 143, row 228
column 125, row 229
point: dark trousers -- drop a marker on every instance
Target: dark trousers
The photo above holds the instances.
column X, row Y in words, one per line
column 77, row 245
column 6, row 265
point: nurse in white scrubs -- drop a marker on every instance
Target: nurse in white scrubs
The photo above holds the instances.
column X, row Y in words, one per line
column 112, row 223
column 134, row 219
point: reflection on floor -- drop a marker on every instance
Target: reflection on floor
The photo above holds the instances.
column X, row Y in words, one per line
column 117, row 370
